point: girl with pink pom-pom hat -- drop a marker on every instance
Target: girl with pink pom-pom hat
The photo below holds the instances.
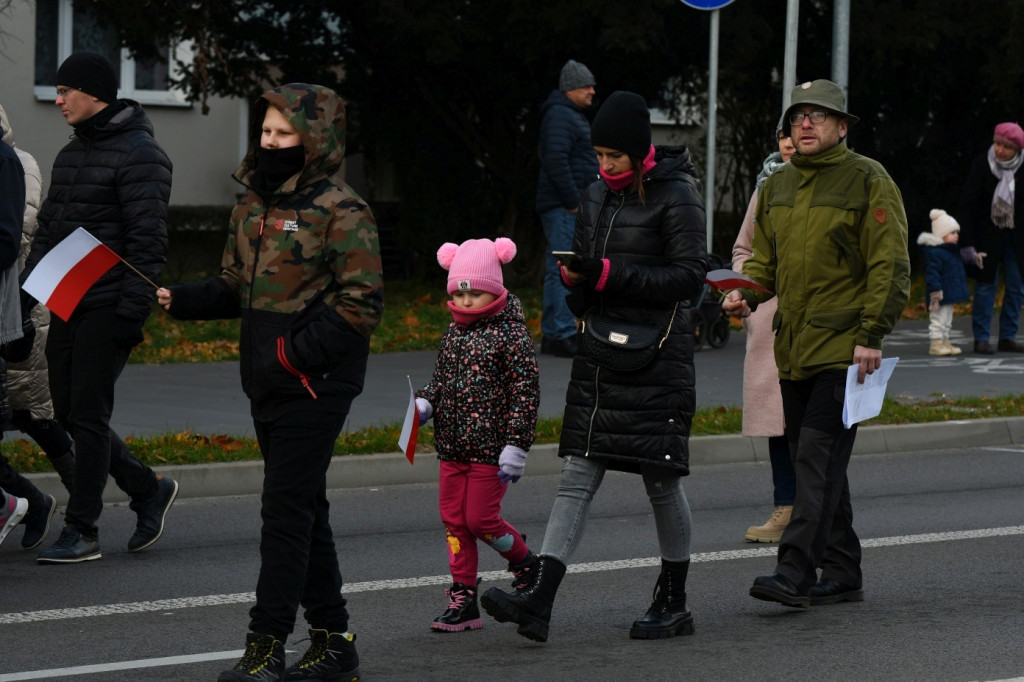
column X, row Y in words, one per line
column 483, row 397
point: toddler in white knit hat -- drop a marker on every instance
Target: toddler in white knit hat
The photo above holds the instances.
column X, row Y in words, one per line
column 945, row 279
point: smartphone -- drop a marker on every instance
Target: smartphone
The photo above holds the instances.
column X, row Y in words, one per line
column 567, row 257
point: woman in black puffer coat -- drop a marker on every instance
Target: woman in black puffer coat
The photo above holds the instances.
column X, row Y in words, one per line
column 641, row 234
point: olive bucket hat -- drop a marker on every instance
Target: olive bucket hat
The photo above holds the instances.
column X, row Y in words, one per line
column 822, row 93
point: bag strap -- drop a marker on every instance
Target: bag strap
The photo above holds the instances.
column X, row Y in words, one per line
column 670, row 321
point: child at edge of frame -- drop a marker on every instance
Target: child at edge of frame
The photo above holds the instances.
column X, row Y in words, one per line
column 945, row 279
column 483, row 396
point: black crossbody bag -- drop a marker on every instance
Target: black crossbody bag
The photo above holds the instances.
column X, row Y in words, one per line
column 621, row 345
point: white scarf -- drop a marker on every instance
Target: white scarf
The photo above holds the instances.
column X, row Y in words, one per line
column 1002, row 198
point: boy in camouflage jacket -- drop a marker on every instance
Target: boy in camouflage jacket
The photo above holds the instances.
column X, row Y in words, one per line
column 302, row 268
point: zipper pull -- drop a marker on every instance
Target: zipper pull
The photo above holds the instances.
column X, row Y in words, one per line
column 305, row 382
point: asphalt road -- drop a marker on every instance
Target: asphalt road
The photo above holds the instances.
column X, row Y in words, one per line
column 207, row 398
column 943, row 533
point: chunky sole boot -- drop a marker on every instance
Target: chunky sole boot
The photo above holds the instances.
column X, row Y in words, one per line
column 529, row 607
column 667, row 616
column 331, row 656
column 263, row 661
column 463, row 612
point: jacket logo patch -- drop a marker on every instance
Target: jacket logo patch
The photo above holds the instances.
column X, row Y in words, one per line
column 464, row 285
column 879, row 214
column 288, row 225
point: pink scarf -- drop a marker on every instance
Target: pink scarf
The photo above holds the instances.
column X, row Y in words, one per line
column 623, row 180
column 467, row 317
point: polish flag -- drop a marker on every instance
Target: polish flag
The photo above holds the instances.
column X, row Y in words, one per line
column 411, row 427
column 726, row 280
column 63, row 275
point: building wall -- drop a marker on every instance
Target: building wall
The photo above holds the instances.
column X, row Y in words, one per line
column 204, row 149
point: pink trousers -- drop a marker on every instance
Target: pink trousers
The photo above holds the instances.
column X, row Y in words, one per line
column 470, row 501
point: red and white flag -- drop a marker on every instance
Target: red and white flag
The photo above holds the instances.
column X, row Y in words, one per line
column 726, row 280
column 411, row 427
column 63, row 275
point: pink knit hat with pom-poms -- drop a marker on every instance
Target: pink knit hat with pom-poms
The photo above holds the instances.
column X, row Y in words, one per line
column 476, row 264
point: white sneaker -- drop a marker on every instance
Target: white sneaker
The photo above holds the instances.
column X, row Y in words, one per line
column 16, row 508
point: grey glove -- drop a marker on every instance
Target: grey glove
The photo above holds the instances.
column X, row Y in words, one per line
column 934, row 300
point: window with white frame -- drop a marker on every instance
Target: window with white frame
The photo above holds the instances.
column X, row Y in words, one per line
column 62, row 28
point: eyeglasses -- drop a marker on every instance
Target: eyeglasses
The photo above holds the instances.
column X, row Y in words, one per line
column 817, row 117
column 62, row 93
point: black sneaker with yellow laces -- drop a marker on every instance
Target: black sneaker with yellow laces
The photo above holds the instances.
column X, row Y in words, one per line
column 263, row 661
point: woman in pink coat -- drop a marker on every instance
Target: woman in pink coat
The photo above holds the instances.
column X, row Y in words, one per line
column 762, row 398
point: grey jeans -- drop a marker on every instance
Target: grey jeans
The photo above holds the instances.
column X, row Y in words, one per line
column 582, row 476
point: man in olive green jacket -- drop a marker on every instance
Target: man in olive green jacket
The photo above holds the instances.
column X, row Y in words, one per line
column 830, row 239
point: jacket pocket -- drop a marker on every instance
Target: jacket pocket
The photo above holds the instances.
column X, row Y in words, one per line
column 829, row 337
column 781, row 358
column 282, row 357
column 854, row 262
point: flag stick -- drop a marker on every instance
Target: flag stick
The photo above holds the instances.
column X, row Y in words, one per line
column 133, row 269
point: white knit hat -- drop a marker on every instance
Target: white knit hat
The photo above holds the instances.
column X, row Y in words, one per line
column 942, row 223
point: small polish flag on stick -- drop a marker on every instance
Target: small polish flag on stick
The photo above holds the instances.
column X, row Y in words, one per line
column 411, row 427
column 726, row 280
column 66, row 272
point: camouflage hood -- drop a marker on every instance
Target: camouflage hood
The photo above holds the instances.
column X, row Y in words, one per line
column 318, row 114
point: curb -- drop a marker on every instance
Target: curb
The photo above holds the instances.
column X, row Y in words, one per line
column 360, row 471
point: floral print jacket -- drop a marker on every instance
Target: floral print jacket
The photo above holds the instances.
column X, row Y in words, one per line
column 485, row 390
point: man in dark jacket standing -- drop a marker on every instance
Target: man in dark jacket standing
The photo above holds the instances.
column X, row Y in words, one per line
column 114, row 180
column 567, row 165
column 830, row 239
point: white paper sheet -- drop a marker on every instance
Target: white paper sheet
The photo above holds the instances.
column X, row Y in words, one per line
column 864, row 401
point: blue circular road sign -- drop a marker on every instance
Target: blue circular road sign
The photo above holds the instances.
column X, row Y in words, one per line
column 706, row 4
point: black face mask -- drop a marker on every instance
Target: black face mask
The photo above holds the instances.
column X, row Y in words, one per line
column 275, row 166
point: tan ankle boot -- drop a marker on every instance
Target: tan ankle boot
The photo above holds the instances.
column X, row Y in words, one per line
column 938, row 347
column 953, row 350
column 772, row 529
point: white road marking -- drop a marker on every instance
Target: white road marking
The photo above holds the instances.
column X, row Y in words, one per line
column 398, row 584
column 125, row 665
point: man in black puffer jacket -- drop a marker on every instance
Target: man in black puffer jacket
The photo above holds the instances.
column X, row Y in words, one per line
column 114, row 180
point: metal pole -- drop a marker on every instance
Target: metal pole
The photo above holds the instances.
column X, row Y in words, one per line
column 789, row 66
column 709, row 189
column 841, row 46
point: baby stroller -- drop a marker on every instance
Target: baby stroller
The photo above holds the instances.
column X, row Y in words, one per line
column 710, row 323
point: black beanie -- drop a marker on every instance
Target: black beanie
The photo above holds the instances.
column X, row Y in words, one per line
column 90, row 72
column 623, row 123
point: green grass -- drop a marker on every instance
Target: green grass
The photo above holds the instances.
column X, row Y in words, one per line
column 415, row 317
column 191, row 448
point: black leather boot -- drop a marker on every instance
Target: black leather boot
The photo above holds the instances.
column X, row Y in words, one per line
column 529, row 606
column 667, row 616
column 462, row 613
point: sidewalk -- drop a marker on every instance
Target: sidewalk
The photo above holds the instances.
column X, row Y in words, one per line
column 358, row 471
column 207, row 398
